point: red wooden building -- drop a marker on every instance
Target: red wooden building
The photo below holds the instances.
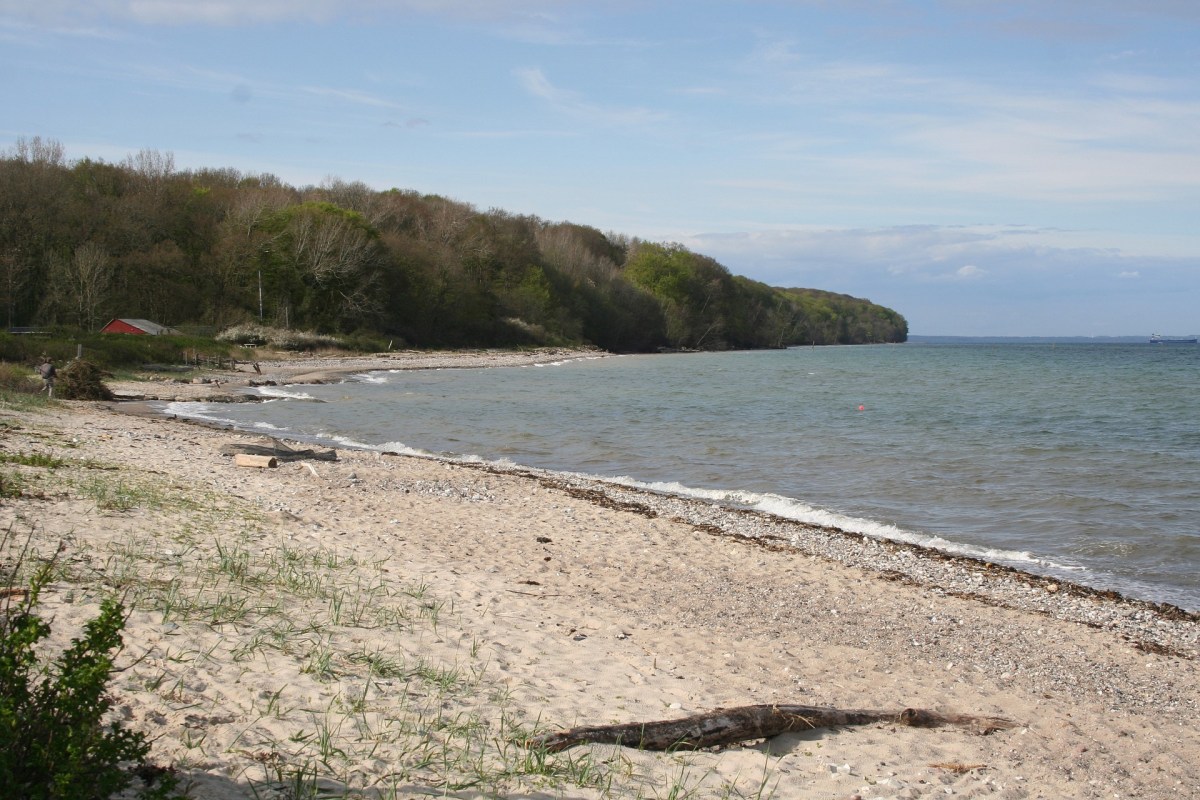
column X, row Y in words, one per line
column 141, row 327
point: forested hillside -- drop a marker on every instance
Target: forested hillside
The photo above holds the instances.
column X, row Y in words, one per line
column 84, row 241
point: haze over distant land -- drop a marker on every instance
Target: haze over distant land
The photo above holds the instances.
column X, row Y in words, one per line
column 986, row 169
column 1029, row 339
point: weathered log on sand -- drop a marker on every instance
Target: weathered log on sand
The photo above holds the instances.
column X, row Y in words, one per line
column 247, row 460
column 744, row 723
column 279, row 450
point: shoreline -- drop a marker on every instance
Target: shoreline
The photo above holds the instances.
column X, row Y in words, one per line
column 894, row 560
column 226, row 386
column 554, row 600
column 229, row 387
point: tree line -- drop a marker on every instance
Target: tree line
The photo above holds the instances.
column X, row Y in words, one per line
column 84, row 241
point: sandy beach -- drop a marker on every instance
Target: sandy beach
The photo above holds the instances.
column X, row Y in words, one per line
column 390, row 626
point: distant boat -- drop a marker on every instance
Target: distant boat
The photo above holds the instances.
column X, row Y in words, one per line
column 1156, row 339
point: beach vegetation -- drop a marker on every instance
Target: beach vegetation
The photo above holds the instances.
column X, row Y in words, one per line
column 41, row 460
column 18, row 379
column 380, row 669
column 56, row 741
column 121, row 494
column 250, row 335
column 342, row 265
column 11, row 484
column 21, row 389
column 120, row 354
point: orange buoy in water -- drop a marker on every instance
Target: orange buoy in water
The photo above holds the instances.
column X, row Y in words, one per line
column 862, row 408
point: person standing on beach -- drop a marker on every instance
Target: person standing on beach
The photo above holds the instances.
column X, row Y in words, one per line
column 47, row 371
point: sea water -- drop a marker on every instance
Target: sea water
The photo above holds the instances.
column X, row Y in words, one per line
column 1080, row 461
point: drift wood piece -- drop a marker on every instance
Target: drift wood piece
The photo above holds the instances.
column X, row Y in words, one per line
column 262, row 462
column 744, row 723
column 279, row 451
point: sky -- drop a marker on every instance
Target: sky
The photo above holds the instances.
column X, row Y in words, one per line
column 985, row 168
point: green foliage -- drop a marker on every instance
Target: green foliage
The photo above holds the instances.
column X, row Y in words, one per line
column 20, row 387
column 32, row 460
column 11, row 484
column 696, row 293
column 54, row 741
column 19, row 379
column 109, row 351
column 128, row 350
column 829, row 318
column 214, row 248
column 369, row 342
column 82, row 380
column 707, row 308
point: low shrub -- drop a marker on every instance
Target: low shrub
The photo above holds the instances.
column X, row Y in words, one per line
column 54, row 743
column 18, row 378
column 367, row 342
column 245, row 335
column 11, row 484
column 110, row 351
column 278, row 338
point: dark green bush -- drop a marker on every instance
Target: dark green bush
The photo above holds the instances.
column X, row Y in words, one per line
column 367, row 342
column 110, row 351
column 54, row 743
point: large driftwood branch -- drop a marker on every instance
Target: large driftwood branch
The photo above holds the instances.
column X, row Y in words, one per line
column 731, row 725
column 277, row 450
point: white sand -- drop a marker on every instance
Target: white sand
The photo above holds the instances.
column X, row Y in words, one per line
column 390, row 625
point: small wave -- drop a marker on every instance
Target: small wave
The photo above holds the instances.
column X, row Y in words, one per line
column 773, row 504
column 204, row 413
column 285, row 393
column 398, row 448
column 379, row 377
column 789, row 508
column 565, row 361
column 197, row 410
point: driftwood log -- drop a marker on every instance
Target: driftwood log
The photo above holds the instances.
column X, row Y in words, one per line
column 248, row 460
column 744, row 723
column 279, row 451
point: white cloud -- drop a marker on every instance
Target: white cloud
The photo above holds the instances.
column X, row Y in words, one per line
column 351, row 96
column 1129, row 274
column 922, row 254
column 1083, row 137
column 248, row 12
column 566, row 101
column 538, row 85
column 970, row 271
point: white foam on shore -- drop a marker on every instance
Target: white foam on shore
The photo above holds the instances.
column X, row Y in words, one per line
column 204, row 412
column 772, row 504
column 566, row 361
column 378, row 377
column 284, row 393
column 398, row 448
column 789, row 508
column 198, row 410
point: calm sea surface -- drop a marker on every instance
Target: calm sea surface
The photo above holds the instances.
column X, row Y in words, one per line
column 1075, row 460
